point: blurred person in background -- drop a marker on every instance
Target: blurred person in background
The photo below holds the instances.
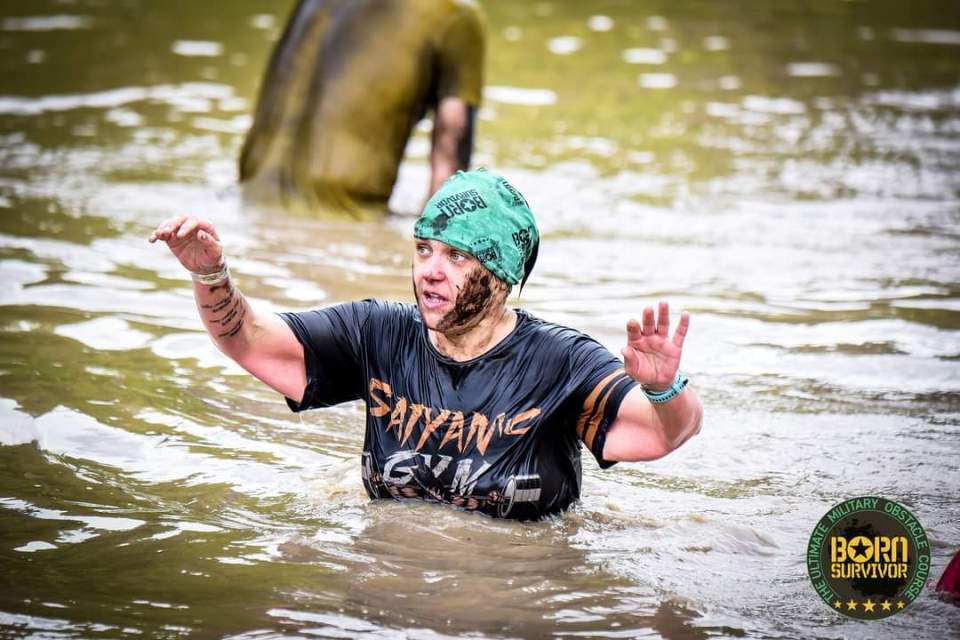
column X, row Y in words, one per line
column 344, row 88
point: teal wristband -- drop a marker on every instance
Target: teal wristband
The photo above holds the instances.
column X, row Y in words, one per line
column 659, row 397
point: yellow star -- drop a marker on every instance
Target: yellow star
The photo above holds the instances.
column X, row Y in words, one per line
column 901, row 604
column 837, row 604
column 868, row 605
column 851, row 605
column 885, row 605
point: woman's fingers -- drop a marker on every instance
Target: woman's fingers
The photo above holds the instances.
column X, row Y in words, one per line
column 682, row 328
column 209, row 241
column 663, row 319
column 194, row 224
column 207, row 226
column 187, row 227
column 648, row 326
column 658, row 326
column 166, row 228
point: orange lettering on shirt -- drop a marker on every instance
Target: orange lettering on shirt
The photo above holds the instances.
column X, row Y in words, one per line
column 416, row 410
column 396, row 418
column 454, row 432
column 529, row 414
column 480, row 433
column 382, row 407
column 431, row 425
column 479, row 428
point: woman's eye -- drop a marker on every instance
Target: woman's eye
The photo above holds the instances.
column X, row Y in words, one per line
column 423, row 249
column 457, row 257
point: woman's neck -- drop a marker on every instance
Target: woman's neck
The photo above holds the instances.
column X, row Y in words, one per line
column 478, row 339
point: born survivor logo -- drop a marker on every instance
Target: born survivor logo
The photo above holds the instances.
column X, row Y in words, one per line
column 868, row 558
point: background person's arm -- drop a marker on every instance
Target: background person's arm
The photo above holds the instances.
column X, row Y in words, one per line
column 261, row 343
column 643, row 430
column 452, row 142
column 457, row 66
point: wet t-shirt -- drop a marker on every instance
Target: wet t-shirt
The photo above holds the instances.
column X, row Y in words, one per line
column 344, row 87
column 500, row 433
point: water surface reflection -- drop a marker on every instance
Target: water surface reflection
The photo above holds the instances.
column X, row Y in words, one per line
column 787, row 173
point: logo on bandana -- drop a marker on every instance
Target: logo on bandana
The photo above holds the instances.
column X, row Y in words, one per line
column 459, row 203
column 517, row 197
column 522, row 240
column 486, row 250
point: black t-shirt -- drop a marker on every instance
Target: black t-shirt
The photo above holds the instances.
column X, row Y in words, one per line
column 499, row 433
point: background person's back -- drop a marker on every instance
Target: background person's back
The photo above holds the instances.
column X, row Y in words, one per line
column 346, row 84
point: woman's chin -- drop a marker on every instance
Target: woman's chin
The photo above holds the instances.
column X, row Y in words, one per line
column 431, row 317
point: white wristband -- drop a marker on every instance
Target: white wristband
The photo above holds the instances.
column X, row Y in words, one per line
column 211, row 279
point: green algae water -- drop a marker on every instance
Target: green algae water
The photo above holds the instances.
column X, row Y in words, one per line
column 785, row 171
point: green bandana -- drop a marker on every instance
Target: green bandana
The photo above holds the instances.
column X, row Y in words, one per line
column 479, row 212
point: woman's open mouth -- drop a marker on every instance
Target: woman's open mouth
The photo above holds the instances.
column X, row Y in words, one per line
column 432, row 300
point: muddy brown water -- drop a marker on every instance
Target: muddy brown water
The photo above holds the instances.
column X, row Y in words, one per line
column 786, row 171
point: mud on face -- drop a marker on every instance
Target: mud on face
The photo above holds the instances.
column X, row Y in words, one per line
column 482, row 292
